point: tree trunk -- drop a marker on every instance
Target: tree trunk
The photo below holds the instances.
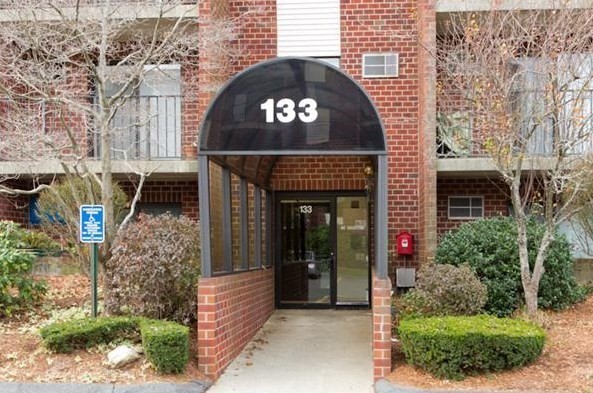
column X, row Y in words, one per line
column 107, row 186
column 531, row 291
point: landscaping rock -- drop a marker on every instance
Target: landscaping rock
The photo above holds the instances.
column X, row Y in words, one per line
column 121, row 356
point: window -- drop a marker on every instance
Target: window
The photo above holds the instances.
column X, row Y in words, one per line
column 380, row 65
column 466, row 207
column 454, row 136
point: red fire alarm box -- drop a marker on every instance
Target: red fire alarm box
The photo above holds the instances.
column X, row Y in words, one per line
column 405, row 243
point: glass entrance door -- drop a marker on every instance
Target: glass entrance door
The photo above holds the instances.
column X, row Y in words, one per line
column 352, row 250
column 323, row 251
column 306, row 252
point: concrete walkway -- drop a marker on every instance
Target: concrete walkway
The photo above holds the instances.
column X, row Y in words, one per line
column 325, row 351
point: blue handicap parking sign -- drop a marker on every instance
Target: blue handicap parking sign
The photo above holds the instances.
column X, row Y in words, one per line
column 92, row 224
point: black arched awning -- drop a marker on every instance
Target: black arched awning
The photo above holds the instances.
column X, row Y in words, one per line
column 289, row 106
column 286, row 106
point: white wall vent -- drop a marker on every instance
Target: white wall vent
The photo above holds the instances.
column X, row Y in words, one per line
column 380, row 65
column 308, row 28
column 405, row 277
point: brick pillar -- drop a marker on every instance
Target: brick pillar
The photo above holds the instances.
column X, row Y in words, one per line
column 427, row 175
column 207, row 327
column 381, row 327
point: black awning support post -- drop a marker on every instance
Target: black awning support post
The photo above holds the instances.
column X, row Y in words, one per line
column 381, row 230
column 204, row 206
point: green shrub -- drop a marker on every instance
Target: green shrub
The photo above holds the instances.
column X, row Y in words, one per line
column 84, row 333
column 453, row 347
column 413, row 304
column 154, row 269
column 58, row 209
column 166, row 345
column 41, row 243
column 17, row 288
column 444, row 290
column 490, row 247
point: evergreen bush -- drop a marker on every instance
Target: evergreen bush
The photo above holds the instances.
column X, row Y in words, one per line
column 17, row 288
column 490, row 247
column 58, row 208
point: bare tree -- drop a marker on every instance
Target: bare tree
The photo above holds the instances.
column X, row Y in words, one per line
column 516, row 86
column 71, row 71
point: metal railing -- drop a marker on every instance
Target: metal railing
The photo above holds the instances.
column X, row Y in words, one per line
column 572, row 130
column 13, row 4
column 145, row 128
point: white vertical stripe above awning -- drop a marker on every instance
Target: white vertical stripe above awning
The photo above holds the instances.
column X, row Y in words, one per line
column 308, row 28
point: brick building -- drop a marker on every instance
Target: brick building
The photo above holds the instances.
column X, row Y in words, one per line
column 287, row 224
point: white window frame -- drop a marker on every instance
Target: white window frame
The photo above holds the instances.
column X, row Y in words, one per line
column 365, row 56
column 469, row 206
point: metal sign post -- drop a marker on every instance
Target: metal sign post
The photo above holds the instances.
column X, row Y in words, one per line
column 92, row 230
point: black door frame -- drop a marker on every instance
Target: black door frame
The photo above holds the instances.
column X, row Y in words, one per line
column 332, row 197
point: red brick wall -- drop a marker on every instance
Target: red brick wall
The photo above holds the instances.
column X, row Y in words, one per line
column 373, row 26
column 190, row 110
column 306, row 173
column 257, row 40
column 184, row 192
column 496, row 201
column 230, row 311
column 14, row 209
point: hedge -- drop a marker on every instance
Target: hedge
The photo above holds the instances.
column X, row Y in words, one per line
column 84, row 333
column 453, row 347
column 166, row 343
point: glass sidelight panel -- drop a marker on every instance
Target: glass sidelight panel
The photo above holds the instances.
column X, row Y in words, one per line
column 306, row 251
column 216, row 218
column 352, row 250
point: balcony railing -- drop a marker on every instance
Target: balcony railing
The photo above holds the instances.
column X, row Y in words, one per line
column 11, row 4
column 145, row 128
column 457, row 138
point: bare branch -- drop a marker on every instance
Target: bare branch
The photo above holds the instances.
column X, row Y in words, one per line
column 524, row 81
column 16, row 191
